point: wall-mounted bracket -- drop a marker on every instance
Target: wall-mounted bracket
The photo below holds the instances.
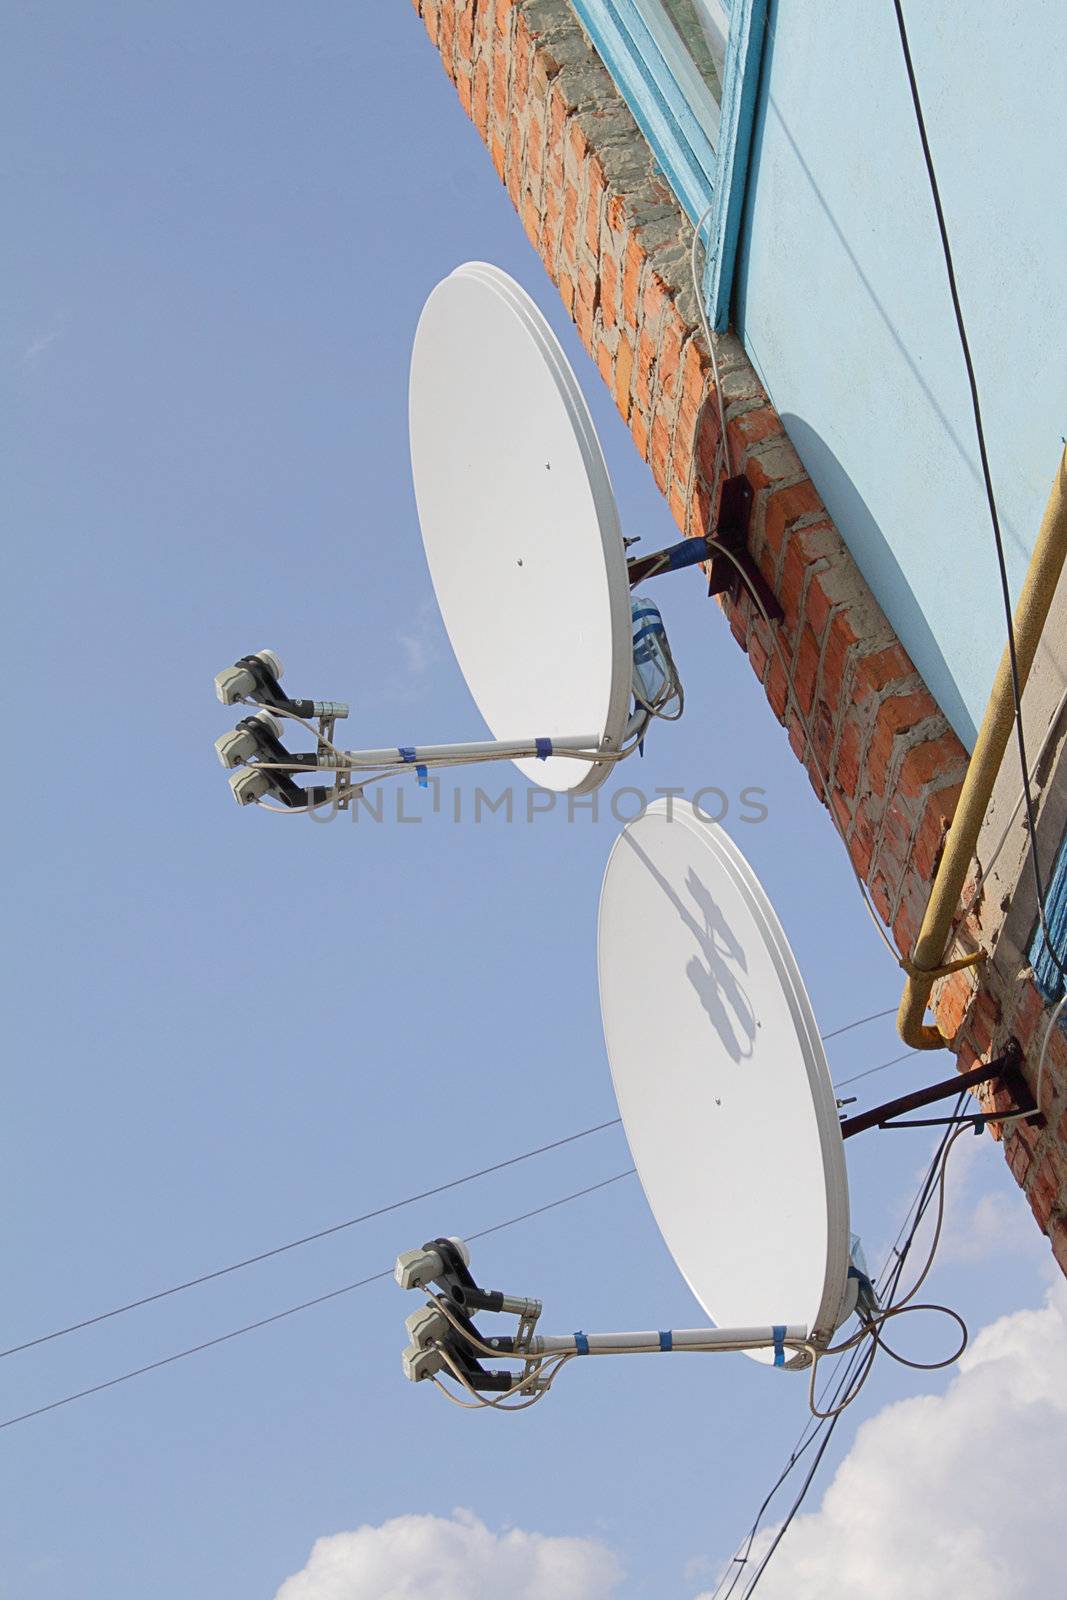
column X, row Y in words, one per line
column 1005, row 1070
column 730, row 567
column 731, row 531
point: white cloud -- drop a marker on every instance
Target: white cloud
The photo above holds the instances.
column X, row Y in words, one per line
column 986, row 1215
column 953, row 1494
column 452, row 1558
column 983, row 1222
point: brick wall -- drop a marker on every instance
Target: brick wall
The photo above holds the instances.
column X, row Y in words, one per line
column 615, row 242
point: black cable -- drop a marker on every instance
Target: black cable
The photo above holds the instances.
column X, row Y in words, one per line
column 891, row 1275
column 896, row 1060
column 1005, row 588
column 308, row 1238
column 919, row 1206
column 278, row 1316
column 368, row 1216
column 875, row 1016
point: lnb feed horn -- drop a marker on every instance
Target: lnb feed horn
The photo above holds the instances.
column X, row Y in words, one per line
column 246, row 676
column 427, row 1326
column 416, row 1268
column 249, row 786
column 247, row 740
column 418, row 1363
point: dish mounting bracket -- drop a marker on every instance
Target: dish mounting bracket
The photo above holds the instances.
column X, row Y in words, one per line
column 730, row 565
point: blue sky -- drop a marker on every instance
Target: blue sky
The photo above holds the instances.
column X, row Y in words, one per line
column 228, row 1029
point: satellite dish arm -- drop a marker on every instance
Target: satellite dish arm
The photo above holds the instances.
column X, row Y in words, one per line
column 444, row 1339
column 730, row 563
column 780, row 1337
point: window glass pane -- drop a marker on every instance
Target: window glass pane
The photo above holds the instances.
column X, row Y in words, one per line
column 702, row 26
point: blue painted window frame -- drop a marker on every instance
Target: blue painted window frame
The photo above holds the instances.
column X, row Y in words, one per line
column 1046, row 972
column 708, row 180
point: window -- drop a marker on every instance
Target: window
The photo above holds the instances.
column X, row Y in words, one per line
column 702, row 27
column 1046, row 971
column 688, row 71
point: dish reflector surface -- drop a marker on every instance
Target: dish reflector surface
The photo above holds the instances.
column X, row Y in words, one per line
column 721, row 1078
column 519, row 522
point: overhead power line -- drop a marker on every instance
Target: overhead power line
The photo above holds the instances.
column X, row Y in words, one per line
column 381, row 1211
column 875, row 1016
column 987, row 479
column 307, row 1238
column 291, row 1311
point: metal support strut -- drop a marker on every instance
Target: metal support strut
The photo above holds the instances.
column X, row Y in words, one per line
column 725, row 575
column 1005, row 1067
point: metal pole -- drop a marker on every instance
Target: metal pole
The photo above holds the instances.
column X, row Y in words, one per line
column 1031, row 612
column 785, row 1336
column 925, row 1097
column 432, row 755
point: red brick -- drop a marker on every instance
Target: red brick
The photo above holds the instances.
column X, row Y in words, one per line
column 931, row 759
column 531, row 219
column 879, row 670
column 1057, row 1233
column 804, row 670
column 639, row 430
column 661, row 447
column 446, row 36
column 481, row 97
column 670, row 350
column 896, row 715
column 750, row 428
column 499, row 96
column 953, row 1001
column 576, row 141
column 623, row 367
column 706, row 447
column 465, row 30
column 595, row 173
column 655, row 298
column 679, row 505
column 569, row 235
column 702, row 519
column 777, row 692
column 1042, row 1192
column 929, row 840
column 535, row 139
column 609, row 289
column 759, row 649
column 694, row 381
column 646, row 356
column 631, row 279
column 847, row 770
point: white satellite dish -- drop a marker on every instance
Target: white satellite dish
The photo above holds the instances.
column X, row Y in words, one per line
column 566, row 663
column 519, row 521
column 721, row 1078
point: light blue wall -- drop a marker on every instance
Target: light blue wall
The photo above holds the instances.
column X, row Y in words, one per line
column 843, row 302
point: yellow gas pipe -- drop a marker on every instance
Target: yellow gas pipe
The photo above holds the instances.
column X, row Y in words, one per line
column 926, row 964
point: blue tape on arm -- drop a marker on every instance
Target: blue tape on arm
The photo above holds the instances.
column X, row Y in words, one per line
column 581, row 1343
column 543, row 748
column 406, row 752
column 779, row 1344
column 687, row 554
column 666, row 1339
column 420, row 773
